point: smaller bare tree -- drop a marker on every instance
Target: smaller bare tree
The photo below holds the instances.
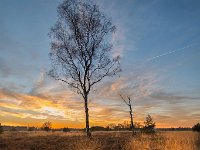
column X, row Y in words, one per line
column 47, row 126
column 128, row 103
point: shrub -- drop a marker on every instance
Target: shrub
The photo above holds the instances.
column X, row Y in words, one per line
column 31, row 128
column 47, row 126
column 1, row 129
column 149, row 125
column 13, row 129
column 97, row 128
column 66, row 129
column 196, row 127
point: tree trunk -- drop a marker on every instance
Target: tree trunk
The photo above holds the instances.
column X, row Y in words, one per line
column 87, row 126
column 131, row 116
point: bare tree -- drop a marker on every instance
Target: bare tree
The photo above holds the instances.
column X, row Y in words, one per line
column 128, row 103
column 79, row 53
column 47, row 126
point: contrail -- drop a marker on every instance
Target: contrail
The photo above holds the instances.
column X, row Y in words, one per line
column 170, row 52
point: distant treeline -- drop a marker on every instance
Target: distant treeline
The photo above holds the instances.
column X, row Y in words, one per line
column 24, row 128
column 175, row 129
column 110, row 127
column 117, row 128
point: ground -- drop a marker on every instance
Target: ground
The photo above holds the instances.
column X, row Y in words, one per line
column 40, row 140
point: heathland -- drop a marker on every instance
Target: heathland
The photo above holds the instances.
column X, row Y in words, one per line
column 101, row 140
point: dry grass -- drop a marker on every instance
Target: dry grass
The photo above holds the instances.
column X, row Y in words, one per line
column 182, row 141
column 100, row 141
column 166, row 141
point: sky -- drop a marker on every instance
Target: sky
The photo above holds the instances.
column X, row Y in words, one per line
column 159, row 45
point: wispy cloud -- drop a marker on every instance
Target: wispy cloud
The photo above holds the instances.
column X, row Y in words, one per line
column 169, row 52
column 119, row 37
column 118, row 41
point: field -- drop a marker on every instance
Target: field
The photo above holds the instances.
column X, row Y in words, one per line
column 100, row 141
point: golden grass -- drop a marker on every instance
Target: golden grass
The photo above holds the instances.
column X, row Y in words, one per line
column 101, row 141
column 182, row 140
column 166, row 141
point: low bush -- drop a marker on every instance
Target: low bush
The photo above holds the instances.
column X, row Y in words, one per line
column 196, row 127
column 1, row 129
column 31, row 129
column 66, row 129
column 13, row 129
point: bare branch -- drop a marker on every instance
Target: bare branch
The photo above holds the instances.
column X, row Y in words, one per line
column 123, row 99
column 79, row 51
